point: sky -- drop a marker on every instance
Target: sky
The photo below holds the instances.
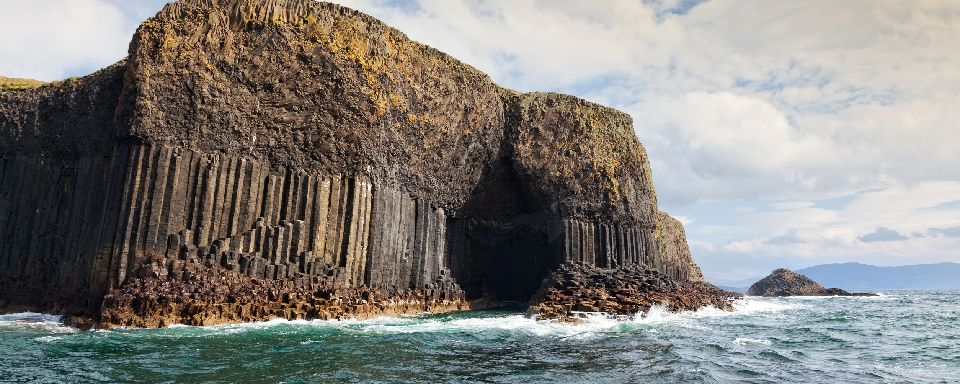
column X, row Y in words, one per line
column 782, row 133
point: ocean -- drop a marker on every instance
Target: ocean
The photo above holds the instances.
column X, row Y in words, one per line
column 903, row 336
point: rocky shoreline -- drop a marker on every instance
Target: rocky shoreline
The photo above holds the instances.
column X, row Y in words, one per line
column 625, row 292
column 196, row 294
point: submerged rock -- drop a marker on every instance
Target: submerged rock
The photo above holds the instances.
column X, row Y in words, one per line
column 784, row 282
column 576, row 288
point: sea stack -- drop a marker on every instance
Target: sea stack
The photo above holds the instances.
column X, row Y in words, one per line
column 784, row 282
column 288, row 158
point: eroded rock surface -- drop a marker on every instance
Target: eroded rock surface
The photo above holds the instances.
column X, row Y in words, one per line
column 629, row 291
column 192, row 293
column 784, row 282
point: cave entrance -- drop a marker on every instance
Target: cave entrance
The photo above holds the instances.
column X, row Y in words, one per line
column 502, row 262
column 502, row 244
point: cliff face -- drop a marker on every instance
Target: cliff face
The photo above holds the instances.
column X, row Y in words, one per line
column 672, row 242
column 307, row 149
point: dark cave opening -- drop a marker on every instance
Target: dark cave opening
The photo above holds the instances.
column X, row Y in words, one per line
column 502, row 243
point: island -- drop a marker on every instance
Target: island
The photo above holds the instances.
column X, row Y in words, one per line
column 784, row 282
column 251, row 160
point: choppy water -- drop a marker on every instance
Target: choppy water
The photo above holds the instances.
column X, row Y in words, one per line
column 898, row 337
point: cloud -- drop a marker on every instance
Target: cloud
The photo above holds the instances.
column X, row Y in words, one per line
column 882, row 234
column 72, row 34
column 683, row 219
column 946, row 232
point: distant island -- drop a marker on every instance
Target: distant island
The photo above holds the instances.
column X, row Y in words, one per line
column 784, row 282
column 857, row 276
column 865, row 277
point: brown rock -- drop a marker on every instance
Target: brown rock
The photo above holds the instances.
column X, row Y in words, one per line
column 622, row 292
column 784, row 282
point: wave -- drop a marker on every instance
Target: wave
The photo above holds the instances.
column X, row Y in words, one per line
column 747, row 340
column 34, row 322
column 589, row 325
column 741, row 307
column 498, row 324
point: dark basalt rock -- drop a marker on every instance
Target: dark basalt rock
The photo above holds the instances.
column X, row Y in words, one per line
column 784, row 282
column 576, row 288
column 297, row 147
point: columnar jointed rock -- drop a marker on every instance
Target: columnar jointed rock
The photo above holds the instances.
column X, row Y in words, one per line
column 287, row 143
column 784, row 282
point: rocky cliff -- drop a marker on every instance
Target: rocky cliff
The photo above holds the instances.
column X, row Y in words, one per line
column 253, row 159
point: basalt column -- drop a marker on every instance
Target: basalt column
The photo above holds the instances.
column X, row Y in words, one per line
column 274, row 222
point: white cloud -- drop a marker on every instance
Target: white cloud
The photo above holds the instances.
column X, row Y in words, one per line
column 683, row 219
column 47, row 39
column 882, row 234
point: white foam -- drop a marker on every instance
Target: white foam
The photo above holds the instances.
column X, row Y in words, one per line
column 747, row 340
column 741, row 307
column 34, row 322
column 755, row 305
column 588, row 325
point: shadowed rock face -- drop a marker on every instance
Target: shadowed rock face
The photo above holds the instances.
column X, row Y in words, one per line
column 309, row 151
column 784, row 282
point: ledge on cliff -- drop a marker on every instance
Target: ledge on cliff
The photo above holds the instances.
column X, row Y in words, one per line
column 314, row 150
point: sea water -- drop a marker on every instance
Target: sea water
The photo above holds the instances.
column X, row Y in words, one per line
column 900, row 336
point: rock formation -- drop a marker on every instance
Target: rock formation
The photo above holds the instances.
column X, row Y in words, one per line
column 626, row 291
column 784, row 282
column 290, row 158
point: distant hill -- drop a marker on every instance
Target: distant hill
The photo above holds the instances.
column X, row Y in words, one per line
column 857, row 276
column 733, row 289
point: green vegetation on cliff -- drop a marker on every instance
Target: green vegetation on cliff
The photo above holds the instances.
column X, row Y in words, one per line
column 15, row 84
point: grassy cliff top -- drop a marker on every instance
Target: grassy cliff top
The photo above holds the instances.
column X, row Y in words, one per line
column 15, row 84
